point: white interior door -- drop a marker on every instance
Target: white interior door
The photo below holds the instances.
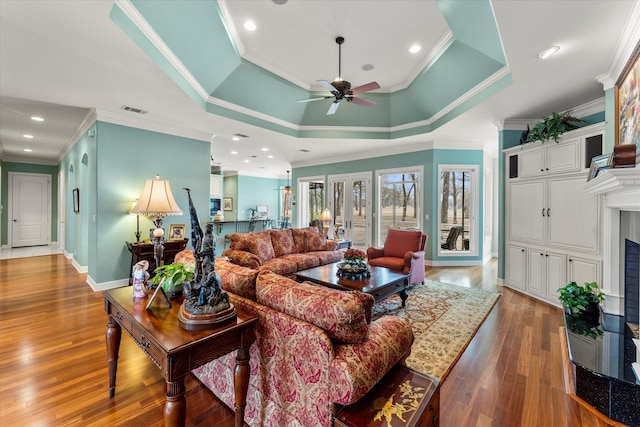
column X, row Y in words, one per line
column 350, row 206
column 30, row 209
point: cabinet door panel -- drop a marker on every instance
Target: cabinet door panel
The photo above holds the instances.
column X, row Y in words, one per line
column 556, row 274
column 525, row 211
column 582, row 270
column 532, row 163
column 563, row 157
column 536, row 277
column 516, row 266
column 573, row 215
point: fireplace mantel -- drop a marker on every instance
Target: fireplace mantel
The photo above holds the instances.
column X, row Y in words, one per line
column 621, row 188
column 620, row 191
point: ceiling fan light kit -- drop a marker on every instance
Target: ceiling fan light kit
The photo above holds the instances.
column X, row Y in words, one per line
column 341, row 89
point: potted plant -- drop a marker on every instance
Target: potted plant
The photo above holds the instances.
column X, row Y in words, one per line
column 579, row 300
column 172, row 276
column 553, row 126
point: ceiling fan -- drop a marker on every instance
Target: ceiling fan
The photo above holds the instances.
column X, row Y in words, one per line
column 341, row 89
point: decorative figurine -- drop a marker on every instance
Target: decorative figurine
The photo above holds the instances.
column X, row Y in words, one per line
column 205, row 305
column 140, row 276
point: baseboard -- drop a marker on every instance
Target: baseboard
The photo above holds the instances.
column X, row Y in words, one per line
column 469, row 263
column 97, row 287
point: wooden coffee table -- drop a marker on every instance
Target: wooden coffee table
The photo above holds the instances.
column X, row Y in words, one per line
column 176, row 351
column 382, row 284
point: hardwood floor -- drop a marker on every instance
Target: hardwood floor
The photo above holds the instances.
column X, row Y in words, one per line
column 53, row 362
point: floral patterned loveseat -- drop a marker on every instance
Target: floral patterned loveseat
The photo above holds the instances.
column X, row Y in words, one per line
column 282, row 251
column 315, row 347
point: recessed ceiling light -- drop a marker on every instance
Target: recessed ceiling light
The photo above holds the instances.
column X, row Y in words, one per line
column 235, row 138
column 246, row 160
column 270, row 156
column 234, row 152
column 264, row 149
column 37, row 119
column 28, row 150
column 548, row 52
column 250, row 25
column 26, row 135
column 415, row 48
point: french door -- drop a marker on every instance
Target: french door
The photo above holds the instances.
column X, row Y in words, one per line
column 350, row 206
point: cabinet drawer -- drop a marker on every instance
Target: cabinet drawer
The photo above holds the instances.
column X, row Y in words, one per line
column 121, row 317
column 148, row 345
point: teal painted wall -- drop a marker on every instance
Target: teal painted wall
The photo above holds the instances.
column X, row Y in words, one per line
column 254, row 191
column 429, row 159
column 52, row 171
column 117, row 162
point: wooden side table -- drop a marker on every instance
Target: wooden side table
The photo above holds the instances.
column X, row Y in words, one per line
column 176, row 351
column 411, row 399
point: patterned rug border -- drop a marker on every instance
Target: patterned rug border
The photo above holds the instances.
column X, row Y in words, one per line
column 443, row 332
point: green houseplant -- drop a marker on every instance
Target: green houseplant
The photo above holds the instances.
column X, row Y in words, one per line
column 172, row 276
column 580, row 299
column 553, row 126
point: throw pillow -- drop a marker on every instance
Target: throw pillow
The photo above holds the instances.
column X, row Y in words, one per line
column 340, row 314
column 238, row 241
column 298, row 237
column 282, row 241
column 315, row 242
column 260, row 245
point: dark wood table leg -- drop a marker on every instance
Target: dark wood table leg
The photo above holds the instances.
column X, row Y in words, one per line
column 114, row 333
column 403, row 293
column 241, row 383
column 175, row 407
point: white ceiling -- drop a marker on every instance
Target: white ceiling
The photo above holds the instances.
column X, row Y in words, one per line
column 59, row 59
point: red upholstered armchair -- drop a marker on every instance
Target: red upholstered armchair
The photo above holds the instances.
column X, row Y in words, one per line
column 403, row 251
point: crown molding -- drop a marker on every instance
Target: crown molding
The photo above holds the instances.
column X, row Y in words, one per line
column 629, row 39
column 89, row 119
column 584, row 110
column 124, row 119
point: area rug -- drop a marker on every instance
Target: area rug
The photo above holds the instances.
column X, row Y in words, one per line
column 444, row 319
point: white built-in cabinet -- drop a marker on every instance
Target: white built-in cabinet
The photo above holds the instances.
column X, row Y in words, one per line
column 215, row 186
column 553, row 226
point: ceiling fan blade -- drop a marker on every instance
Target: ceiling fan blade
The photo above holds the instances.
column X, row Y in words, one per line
column 364, row 88
column 361, row 102
column 315, row 99
column 325, row 84
column 332, row 109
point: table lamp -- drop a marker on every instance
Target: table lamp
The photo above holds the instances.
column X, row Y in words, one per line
column 325, row 217
column 157, row 202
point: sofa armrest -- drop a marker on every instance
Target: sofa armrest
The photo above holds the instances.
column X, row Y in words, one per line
column 375, row 253
column 243, row 258
column 356, row 368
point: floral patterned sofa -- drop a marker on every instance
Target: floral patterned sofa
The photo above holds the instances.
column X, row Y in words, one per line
column 315, row 347
column 282, row 251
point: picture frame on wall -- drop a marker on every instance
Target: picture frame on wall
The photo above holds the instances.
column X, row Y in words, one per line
column 76, row 200
column 627, row 100
column 227, row 204
column 176, row 231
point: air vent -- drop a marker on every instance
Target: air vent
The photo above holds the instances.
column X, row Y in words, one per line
column 133, row 109
column 304, row 150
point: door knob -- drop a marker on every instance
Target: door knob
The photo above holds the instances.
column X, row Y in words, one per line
column 15, row 220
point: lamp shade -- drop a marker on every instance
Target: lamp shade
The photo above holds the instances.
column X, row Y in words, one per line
column 156, row 199
column 326, row 215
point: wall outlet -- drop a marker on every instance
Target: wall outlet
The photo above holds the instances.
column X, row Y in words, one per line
column 426, row 216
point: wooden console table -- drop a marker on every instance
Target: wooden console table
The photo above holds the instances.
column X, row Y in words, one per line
column 176, row 351
column 144, row 251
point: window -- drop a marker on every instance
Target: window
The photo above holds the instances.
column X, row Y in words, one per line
column 311, row 200
column 399, row 200
column 457, row 218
